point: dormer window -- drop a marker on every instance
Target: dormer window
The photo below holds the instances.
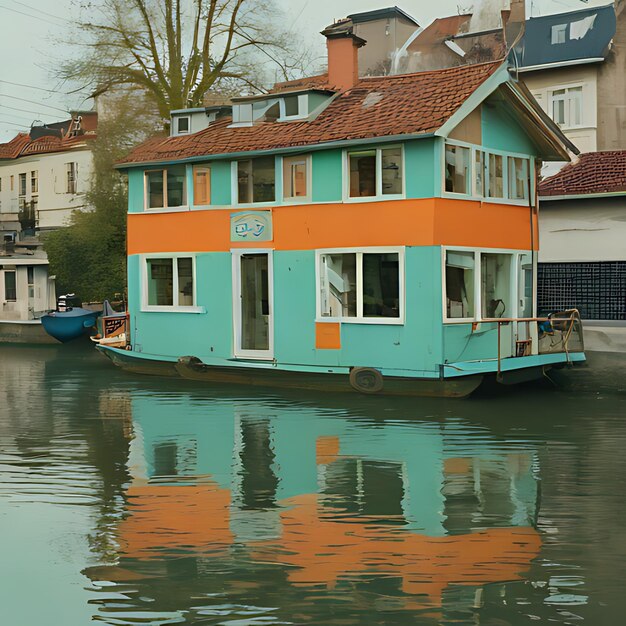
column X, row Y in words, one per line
column 242, row 114
column 182, row 125
column 294, row 107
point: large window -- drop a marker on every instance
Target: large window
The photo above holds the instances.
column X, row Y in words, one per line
column 22, row 189
column 71, row 170
column 10, row 286
column 478, row 285
column 34, row 182
column 170, row 282
column 567, row 106
column 295, row 178
column 256, row 180
column 166, row 188
column 460, row 268
column 375, row 173
column 471, row 171
column 360, row 285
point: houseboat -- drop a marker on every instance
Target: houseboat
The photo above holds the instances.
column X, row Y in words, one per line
column 377, row 234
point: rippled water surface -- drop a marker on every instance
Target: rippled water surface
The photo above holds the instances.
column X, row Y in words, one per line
column 137, row 500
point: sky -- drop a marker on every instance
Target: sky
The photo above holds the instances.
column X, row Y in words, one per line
column 33, row 39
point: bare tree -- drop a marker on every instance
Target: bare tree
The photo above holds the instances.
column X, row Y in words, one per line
column 178, row 50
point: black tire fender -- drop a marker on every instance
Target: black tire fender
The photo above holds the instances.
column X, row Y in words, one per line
column 366, row 380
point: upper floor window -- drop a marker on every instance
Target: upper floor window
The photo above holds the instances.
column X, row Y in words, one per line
column 201, row 185
column 294, row 107
column 242, row 114
column 296, row 178
column 165, row 188
column 471, row 171
column 567, row 106
column 34, row 182
column 170, row 282
column 22, row 188
column 457, row 169
column 559, row 33
column 182, row 125
column 71, row 170
column 256, row 180
column 375, row 173
column 361, row 285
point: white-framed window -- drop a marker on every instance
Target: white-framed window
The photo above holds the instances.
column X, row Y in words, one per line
column 71, row 170
column 182, row 125
column 457, row 169
column 293, row 107
column 474, row 172
column 374, row 173
column 165, row 188
column 558, row 34
column 242, row 114
column 362, row 286
column 169, row 283
column 297, row 178
column 256, row 180
column 566, row 106
column 34, row 182
column 22, row 187
column 482, row 284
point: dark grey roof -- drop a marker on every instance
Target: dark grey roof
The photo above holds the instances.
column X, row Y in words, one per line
column 580, row 42
column 378, row 14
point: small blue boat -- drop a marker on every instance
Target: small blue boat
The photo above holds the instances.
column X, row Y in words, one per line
column 68, row 322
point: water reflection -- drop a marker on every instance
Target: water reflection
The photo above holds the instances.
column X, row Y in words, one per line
column 187, row 504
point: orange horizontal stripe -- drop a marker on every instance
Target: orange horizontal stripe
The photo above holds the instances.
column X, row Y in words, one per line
column 425, row 222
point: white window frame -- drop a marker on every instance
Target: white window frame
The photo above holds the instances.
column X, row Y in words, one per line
column 475, row 195
column 4, row 284
column 146, row 198
column 303, row 105
column 71, row 178
column 178, row 132
column 278, row 183
column 556, row 31
column 567, row 104
column 478, row 252
column 379, row 174
column 237, row 117
column 23, row 177
column 34, row 182
column 238, row 351
column 173, row 308
column 306, row 158
column 360, row 319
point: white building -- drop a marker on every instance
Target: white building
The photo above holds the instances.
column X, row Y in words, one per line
column 44, row 176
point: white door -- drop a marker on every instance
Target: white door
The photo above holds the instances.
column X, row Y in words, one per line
column 253, row 304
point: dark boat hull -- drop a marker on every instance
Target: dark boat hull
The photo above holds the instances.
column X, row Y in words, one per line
column 192, row 368
column 68, row 325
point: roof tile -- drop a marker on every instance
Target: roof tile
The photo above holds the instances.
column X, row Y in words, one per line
column 594, row 172
column 407, row 104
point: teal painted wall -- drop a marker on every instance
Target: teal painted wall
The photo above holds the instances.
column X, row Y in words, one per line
column 422, row 168
column 501, row 131
column 414, row 346
column 327, row 169
column 135, row 191
column 221, row 183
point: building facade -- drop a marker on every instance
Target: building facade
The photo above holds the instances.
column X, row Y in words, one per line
column 44, row 176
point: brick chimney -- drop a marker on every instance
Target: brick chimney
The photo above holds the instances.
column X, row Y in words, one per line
column 343, row 58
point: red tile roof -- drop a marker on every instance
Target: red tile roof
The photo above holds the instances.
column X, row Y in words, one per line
column 23, row 145
column 375, row 107
column 594, row 172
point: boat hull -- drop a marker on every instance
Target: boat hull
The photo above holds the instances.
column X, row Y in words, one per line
column 28, row 332
column 68, row 325
column 192, row 368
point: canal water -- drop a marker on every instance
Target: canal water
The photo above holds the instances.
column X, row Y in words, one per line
column 137, row 500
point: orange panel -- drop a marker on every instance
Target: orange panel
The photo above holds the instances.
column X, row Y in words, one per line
column 426, row 222
column 328, row 336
